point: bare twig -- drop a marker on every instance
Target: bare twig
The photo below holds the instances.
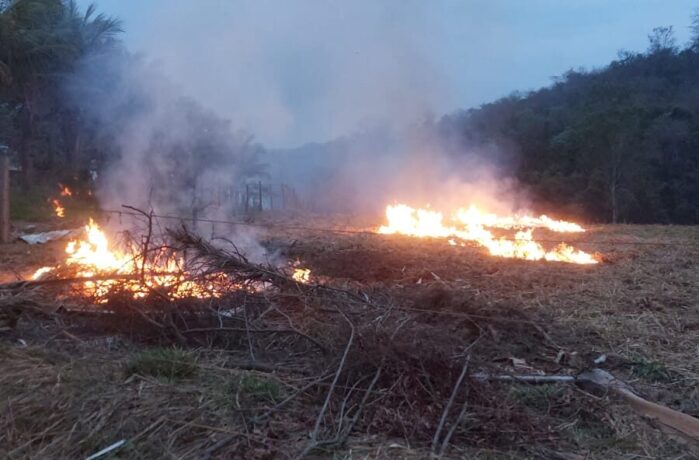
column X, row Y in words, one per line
column 291, row 397
column 343, row 437
column 524, row 378
column 256, row 331
column 146, row 243
column 447, row 408
column 314, row 434
column 452, row 430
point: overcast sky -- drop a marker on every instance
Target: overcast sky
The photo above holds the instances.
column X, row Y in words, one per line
column 292, row 72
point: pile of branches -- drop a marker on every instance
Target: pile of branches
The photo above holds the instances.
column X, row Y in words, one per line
column 377, row 368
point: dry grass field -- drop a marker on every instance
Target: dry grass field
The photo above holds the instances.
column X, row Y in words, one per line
column 369, row 363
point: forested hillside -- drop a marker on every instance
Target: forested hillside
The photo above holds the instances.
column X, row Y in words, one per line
column 617, row 144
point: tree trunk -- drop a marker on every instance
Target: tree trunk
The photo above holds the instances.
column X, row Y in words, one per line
column 25, row 156
column 25, row 145
column 615, row 212
column 74, row 143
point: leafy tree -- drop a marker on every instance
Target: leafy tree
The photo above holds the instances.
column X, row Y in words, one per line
column 40, row 43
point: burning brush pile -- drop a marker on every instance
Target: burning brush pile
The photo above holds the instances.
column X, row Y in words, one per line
column 153, row 266
column 137, row 269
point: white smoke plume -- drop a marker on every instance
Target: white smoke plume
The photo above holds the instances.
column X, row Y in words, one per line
column 167, row 153
column 362, row 73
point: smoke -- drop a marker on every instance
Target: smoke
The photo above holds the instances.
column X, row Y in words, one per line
column 362, row 73
column 157, row 150
column 419, row 164
column 307, row 70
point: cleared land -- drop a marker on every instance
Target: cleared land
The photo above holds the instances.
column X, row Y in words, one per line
column 407, row 315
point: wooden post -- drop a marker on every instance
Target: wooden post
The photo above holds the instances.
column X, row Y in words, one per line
column 259, row 195
column 4, row 198
column 283, row 196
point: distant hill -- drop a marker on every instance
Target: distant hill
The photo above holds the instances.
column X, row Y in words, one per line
column 616, row 144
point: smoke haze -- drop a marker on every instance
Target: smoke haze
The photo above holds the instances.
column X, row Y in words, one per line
column 303, row 71
column 364, row 77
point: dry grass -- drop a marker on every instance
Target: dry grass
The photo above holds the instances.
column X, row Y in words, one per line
column 77, row 388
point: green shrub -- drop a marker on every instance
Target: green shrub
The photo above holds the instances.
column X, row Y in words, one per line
column 259, row 388
column 651, row 371
column 170, row 363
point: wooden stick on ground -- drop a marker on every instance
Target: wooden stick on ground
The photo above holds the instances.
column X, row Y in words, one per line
column 602, row 380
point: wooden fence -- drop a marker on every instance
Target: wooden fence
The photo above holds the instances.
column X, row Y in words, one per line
column 249, row 197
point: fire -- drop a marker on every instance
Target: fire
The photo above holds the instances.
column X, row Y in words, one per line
column 41, row 272
column 473, row 225
column 93, row 257
column 58, row 209
column 302, row 275
column 65, row 191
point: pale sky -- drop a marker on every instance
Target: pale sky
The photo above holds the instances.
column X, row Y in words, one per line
column 294, row 71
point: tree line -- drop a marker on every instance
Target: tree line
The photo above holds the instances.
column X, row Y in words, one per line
column 74, row 100
column 616, row 144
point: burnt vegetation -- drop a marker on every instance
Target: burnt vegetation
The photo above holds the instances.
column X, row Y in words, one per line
column 386, row 365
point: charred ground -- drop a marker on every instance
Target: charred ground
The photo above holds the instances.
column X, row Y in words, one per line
column 407, row 316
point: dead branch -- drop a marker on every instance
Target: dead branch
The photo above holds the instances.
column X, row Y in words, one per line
column 314, row 434
column 257, row 331
column 291, row 397
column 452, row 430
column 342, row 438
column 231, row 262
column 447, row 408
column 534, row 379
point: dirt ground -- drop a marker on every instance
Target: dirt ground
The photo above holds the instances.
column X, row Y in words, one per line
column 67, row 392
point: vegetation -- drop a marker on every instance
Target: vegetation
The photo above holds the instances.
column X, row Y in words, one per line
column 41, row 42
column 65, row 394
column 618, row 144
column 71, row 97
column 259, row 388
column 170, row 363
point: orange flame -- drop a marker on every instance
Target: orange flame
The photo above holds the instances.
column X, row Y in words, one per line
column 92, row 256
column 472, row 225
column 58, row 209
column 301, row 275
column 65, row 191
